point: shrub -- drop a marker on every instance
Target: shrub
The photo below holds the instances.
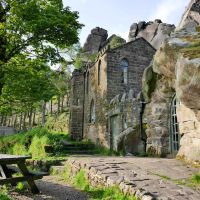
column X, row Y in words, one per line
column 37, row 147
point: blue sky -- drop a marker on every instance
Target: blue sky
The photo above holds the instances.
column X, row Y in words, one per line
column 116, row 16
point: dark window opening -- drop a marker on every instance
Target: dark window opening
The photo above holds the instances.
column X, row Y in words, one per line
column 92, row 112
column 124, row 67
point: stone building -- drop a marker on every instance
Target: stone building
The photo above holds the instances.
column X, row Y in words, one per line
column 128, row 103
column 115, row 72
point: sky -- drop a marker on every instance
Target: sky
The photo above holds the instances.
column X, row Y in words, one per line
column 116, row 16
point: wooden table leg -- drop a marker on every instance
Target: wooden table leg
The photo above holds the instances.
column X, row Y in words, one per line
column 5, row 173
column 25, row 172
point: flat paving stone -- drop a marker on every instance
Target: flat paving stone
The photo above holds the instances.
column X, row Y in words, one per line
column 150, row 175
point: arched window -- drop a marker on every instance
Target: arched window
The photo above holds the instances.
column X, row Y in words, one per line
column 92, row 112
column 124, row 67
column 175, row 136
column 87, row 82
column 99, row 72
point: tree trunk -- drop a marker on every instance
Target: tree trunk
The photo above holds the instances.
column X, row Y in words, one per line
column 43, row 113
column 4, row 121
column 58, row 110
column 2, row 118
column 15, row 121
column 24, row 121
column 51, row 107
column 34, row 114
column 20, row 122
column 30, row 119
column 62, row 104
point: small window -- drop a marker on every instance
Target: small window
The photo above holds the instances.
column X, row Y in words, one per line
column 92, row 112
column 124, row 67
column 99, row 72
column 78, row 102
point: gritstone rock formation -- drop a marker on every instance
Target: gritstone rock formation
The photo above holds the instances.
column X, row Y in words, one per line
column 191, row 17
column 175, row 71
column 154, row 32
column 95, row 40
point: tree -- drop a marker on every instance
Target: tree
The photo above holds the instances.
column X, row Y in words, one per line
column 25, row 85
column 35, row 29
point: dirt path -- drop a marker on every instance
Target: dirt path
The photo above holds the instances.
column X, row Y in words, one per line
column 52, row 188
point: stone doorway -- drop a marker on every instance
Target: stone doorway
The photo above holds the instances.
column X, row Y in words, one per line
column 174, row 127
column 115, row 131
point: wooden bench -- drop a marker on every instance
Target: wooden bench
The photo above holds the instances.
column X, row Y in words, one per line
column 7, row 169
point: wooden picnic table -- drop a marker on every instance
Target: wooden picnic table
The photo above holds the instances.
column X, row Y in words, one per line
column 7, row 169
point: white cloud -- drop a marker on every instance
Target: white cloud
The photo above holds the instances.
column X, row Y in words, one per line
column 168, row 8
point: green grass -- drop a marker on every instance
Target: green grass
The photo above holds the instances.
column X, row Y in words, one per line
column 4, row 196
column 193, row 182
column 80, row 181
column 4, row 193
column 34, row 142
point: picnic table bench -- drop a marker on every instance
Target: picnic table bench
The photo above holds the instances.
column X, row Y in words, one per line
column 7, row 168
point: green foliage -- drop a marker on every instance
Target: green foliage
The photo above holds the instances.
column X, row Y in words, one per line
column 20, row 186
column 19, row 149
column 37, row 147
column 116, row 41
column 4, row 196
column 4, row 193
column 81, row 181
column 82, row 58
column 32, row 142
column 59, row 123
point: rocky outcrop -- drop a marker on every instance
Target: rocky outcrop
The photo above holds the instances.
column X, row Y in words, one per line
column 154, row 32
column 95, row 40
column 191, row 17
column 175, row 71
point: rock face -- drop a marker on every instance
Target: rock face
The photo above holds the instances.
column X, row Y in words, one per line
column 191, row 17
column 95, row 40
column 154, row 32
column 175, row 75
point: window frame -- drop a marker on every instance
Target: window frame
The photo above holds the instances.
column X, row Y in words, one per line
column 124, row 65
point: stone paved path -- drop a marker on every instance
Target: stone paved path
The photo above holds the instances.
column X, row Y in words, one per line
column 52, row 188
column 144, row 177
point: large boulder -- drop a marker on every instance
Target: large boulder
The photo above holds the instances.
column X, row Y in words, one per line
column 154, row 32
column 191, row 17
column 95, row 40
column 175, row 71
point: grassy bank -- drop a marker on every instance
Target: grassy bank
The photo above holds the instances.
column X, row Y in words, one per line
column 81, row 182
column 39, row 143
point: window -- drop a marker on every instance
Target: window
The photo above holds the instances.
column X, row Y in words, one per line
column 78, row 102
column 92, row 112
column 99, row 72
column 175, row 135
column 124, row 67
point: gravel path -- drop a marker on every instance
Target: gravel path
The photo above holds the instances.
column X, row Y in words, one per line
column 52, row 188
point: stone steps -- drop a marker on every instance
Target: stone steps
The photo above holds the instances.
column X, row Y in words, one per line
column 78, row 148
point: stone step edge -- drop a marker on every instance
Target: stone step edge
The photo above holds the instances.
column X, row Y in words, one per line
column 96, row 179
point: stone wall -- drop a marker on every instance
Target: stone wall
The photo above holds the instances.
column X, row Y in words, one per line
column 7, row 130
column 128, row 136
column 76, row 105
column 139, row 54
column 96, row 131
